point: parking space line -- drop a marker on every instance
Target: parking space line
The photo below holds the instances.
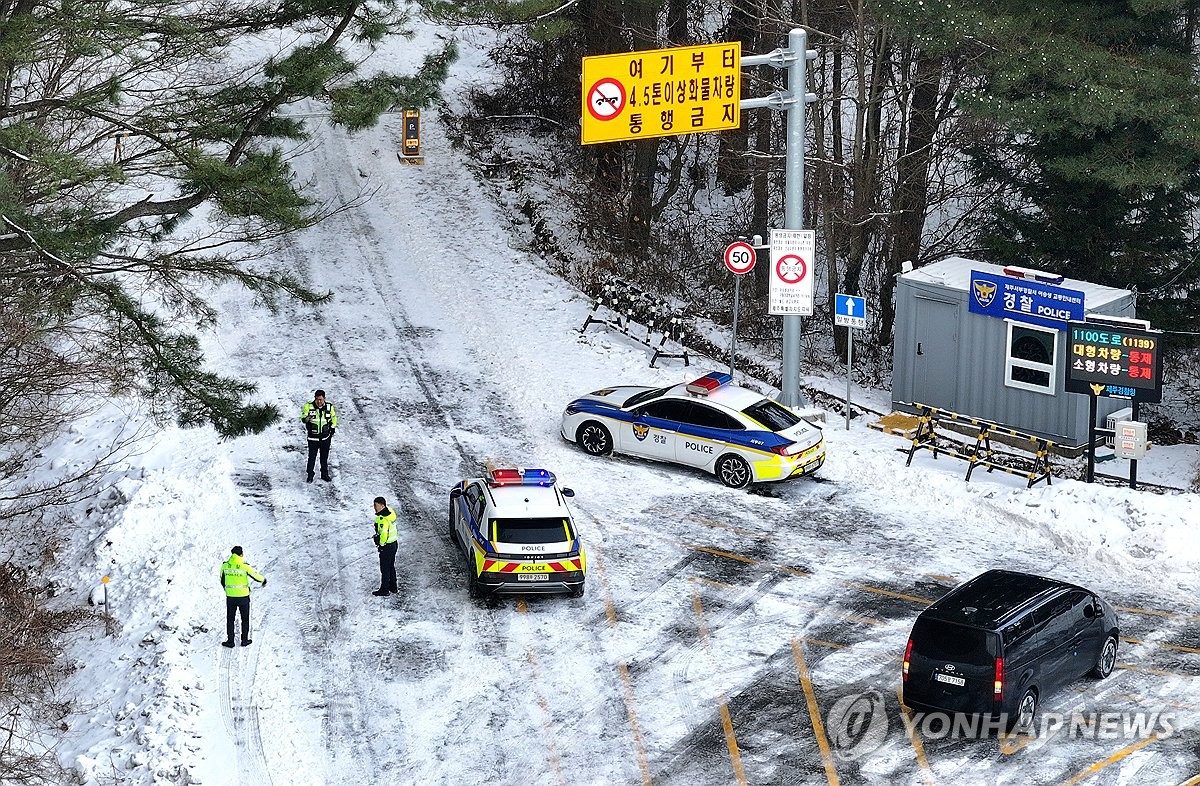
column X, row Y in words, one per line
column 735, row 755
column 1176, row 647
column 1157, row 672
column 531, row 656
column 1191, row 781
column 814, row 712
column 623, row 670
column 888, row 593
column 915, row 739
column 717, row 584
column 744, row 559
column 1159, row 613
column 795, row 602
column 748, row 533
column 1095, row 768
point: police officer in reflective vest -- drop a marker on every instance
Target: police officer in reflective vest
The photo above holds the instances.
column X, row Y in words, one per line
column 235, row 578
column 385, row 539
column 320, row 422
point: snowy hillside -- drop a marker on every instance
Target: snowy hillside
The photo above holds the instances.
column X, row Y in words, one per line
column 717, row 623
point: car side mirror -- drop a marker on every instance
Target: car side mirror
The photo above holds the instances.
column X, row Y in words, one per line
column 1089, row 611
column 456, row 492
column 568, row 492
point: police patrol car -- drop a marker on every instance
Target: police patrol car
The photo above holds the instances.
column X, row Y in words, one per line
column 710, row 423
column 517, row 535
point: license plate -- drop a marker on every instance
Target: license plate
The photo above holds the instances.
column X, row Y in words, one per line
column 533, row 577
column 949, row 680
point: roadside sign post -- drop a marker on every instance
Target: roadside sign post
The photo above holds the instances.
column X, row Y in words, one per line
column 739, row 258
column 850, row 311
column 793, row 101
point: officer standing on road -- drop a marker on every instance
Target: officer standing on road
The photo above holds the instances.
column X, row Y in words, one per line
column 385, row 539
column 320, row 422
column 235, row 578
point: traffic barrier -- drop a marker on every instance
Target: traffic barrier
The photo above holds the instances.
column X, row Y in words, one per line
column 630, row 305
column 1035, row 468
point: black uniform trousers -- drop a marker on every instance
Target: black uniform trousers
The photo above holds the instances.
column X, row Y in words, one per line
column 232, row 606
column 387, row 567
column 320, row 446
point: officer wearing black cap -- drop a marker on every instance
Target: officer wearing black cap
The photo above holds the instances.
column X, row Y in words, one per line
column 320, row 422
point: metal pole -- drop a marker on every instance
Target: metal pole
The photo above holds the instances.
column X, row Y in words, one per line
column 849, row 365
column 737, row 291
column 1091, row 465
column 1132, row 462
column 793, row 206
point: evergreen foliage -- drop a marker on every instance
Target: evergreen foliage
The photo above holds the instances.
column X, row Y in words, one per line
column 140, row 158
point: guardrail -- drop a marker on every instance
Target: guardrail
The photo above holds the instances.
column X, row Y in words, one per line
column 1035, row 468
column 628, row 305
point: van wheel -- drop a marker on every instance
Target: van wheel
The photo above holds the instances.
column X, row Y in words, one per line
column 1107, row 660
column 734, row 471
column 1026, row 711
column 594, row 439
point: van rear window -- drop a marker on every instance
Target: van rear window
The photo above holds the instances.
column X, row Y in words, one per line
column 530, row 530
column 946, row 641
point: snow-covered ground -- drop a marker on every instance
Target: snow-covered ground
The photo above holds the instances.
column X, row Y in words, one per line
column 718, row 627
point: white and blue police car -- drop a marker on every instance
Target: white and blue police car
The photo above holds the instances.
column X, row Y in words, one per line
column 709, row 423
column 516, row 532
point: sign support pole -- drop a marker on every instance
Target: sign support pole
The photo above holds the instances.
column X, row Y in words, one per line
column 1091, row 465
column 1133, row 462
column 849, row 367
column 795, row 59
column 737, row 293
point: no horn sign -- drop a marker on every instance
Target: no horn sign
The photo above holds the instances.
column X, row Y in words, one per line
column 793, row 252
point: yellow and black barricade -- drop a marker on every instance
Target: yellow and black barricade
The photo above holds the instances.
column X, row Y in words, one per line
column 1034, row 469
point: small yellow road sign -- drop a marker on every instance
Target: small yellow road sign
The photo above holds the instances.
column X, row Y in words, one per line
column 661, row 92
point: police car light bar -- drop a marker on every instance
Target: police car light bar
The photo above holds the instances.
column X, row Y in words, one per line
column 1029, row 274
column 521, row 477
column 708, row 383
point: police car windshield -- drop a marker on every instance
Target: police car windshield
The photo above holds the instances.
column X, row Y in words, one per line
column 645, row 395
column 530, row 530
column 771, row 415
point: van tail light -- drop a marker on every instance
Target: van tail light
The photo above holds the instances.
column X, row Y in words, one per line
column 907, row 656
column 999, row 689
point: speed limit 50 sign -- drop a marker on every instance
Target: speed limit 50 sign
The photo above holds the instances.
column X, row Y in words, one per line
column 739, row 258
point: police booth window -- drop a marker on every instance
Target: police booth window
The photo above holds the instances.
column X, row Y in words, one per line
column 1030, row 359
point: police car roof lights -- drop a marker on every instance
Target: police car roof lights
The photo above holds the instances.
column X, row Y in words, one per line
column 521, row 477
column 708, row 383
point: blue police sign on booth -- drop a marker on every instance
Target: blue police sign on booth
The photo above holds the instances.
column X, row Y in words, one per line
column 850, row 310
column 1025, row 300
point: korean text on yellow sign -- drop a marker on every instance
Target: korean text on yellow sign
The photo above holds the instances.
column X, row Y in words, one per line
column 661, row 92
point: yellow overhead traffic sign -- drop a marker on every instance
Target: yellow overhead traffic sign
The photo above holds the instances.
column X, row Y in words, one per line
column 661, row 92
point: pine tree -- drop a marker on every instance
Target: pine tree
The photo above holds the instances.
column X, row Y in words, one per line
column 140, row 156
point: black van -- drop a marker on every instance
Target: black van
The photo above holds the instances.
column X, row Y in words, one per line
column 1002, row 641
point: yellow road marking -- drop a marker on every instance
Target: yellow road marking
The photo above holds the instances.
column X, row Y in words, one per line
column 531, row 656
column 1095, row 768
column 711, row 583
column 748, row 533
column 1158, row 612
column 1191, row 781
column 941, row 577
column 888, row 593
column 623, row 671
column 1176, row 647
column 821, row 643
column 915, row 739
column 1147, row 670
column 744, row 559
column 627, row 689
column 814, row 712
column 735, row 755
column 794, row 602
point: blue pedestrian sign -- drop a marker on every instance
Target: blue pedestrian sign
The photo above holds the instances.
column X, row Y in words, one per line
column 849, row 310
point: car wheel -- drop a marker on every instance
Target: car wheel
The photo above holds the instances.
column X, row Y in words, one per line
column 594, row 438
column 1108, row 658
column 1026, row 710
column 734, row 471
column 474, row 588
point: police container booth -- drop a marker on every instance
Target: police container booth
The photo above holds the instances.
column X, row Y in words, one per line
column 989, row 342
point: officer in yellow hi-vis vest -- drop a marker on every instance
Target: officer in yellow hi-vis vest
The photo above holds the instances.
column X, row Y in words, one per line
column 235, row 578
column 320, row 424
column 385, row 539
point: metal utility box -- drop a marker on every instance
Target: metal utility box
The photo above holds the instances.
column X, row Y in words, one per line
column 1129, row 441
column 988, row 342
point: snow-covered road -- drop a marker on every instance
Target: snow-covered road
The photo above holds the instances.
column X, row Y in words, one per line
column 719, row 628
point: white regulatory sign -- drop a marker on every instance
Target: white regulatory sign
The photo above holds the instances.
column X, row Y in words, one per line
column 793, row 254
